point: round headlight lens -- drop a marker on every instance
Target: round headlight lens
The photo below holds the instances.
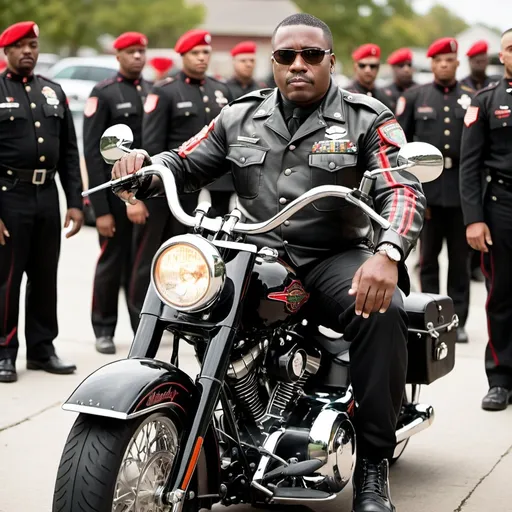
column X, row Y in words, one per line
column 181, row 275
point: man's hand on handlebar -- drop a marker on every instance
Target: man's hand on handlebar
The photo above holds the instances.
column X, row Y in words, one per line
column 129, row 164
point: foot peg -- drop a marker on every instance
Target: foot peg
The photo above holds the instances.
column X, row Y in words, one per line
column 304, row 468
column 415, row 418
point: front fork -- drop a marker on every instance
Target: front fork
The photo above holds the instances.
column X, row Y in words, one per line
column 209, row 382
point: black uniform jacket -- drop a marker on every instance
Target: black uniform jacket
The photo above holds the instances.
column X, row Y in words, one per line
column 37, row 132
column 115, row 100
column 180, row 107
column 345, row 136
column 393, row 92
column 486, row 146
column 435, row 114
column 376, row 93
column 237, row 89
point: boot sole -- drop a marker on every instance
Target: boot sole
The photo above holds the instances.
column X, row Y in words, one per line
column 494, row 407
column 106, row 350
column 37, row 366
column 9, row 378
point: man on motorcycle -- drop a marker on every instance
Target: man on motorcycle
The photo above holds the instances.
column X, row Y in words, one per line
column 279, row 144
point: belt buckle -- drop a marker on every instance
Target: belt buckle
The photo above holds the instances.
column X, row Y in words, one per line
column 39, row 176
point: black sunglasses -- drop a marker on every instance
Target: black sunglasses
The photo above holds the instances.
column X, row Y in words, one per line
column 309, row 55
column 403, row 64
column 371, row 66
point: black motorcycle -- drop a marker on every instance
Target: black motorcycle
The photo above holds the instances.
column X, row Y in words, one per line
column 269, row 417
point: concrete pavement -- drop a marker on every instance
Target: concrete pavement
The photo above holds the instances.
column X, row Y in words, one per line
column 463, row 463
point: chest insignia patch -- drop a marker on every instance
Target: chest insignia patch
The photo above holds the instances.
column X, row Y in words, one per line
column 503, row 112
column 464, row 101
column 151, row 103
column 335, row 132
column 334, row 146
column 91, row 106
column 220, row 98
column 425, row 110
column 50, row 95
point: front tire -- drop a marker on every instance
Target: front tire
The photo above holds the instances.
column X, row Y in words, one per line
column 110, row 465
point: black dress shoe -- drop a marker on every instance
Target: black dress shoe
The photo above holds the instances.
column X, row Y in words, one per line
column 8, row 371
column 497, row 399
column 371, row 487
column 52, row 365
column 105, row 345
column 462, row 335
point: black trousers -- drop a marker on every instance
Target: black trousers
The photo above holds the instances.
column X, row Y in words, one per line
column 31, row 215
column 160, row 226
column 446, row 224
column 497, row 267
column 378, row 353
column 113, row 272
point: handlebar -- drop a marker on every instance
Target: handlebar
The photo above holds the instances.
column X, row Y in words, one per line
column 214, row 225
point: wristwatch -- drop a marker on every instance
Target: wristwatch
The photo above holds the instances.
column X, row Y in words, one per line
column 390, row 251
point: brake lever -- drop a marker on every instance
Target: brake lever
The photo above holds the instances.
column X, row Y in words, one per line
column 113, row 183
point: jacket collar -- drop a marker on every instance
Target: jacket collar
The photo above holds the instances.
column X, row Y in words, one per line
column 330, row 108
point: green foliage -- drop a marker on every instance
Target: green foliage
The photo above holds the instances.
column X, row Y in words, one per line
column 76, row 23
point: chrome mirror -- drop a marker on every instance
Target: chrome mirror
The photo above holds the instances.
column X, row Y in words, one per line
column 115, row 142
column 426, row 159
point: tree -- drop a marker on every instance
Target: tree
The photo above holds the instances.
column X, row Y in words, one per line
column 72, row 24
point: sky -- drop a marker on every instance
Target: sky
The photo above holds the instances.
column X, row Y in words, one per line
column 495, row 13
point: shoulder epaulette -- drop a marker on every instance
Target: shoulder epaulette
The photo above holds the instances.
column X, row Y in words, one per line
column 259, row 94
column 490, row 87
column 467, row 88
column 165, row 81
column 48, row 80
column 362, row 99
column 106, row 82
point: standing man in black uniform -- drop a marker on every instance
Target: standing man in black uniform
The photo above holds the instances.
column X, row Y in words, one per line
column 401, row 64
column 486, row 192
column 434, row 113
column 37, row 140
column 366, row 68
column 177, row 109
column 477, row 80
column 119, row 99
column 244, row 62
column 478, row 62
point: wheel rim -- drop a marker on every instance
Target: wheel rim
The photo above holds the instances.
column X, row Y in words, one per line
column 146, row 464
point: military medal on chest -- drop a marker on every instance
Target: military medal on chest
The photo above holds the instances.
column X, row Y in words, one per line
column 50, row 95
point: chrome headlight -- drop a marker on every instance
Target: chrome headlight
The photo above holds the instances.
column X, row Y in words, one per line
column 188, row 273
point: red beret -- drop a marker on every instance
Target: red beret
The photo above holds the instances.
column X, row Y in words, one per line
column 366, row 50
column 130, row 39
column 18, row 31
column 243, row 47
column 161, row 64
column 194, row 37
column 399, row 56
column 479, row 47
column 443, row 45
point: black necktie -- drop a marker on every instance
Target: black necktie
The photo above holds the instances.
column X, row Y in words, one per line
column 294, row 121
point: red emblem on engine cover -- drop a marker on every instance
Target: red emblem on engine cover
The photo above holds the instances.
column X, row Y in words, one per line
column 294, row 296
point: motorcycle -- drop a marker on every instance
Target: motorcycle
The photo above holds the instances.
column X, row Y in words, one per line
column 268, row 420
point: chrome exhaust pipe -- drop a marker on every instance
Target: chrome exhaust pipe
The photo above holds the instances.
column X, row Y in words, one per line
column 422, row 417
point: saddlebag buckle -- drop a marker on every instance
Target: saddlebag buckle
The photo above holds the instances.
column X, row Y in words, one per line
column 39, row 176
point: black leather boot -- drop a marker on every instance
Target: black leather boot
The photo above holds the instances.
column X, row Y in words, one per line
column 371, row 487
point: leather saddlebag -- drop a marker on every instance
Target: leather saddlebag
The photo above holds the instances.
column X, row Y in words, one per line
column 432, row 337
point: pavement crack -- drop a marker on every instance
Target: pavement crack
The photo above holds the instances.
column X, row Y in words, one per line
column 28, row 418
column 466, row 499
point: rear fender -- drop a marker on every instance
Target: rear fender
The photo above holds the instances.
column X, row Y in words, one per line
column 129, row 388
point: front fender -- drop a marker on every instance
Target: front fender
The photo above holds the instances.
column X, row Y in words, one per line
column 129, row 388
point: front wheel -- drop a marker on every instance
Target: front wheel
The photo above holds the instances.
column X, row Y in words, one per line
column 110, row 465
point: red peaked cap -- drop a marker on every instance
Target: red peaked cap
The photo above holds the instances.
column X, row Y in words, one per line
column 399, row 56
column 194, row 37
column 443, row 45
column 161, row 64
column 130, row 39
column 243, row 47
column 18, row 31
column 366, row 50
column 479, row 47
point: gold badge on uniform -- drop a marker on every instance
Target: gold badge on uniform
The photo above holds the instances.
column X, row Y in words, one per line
column 50, row 95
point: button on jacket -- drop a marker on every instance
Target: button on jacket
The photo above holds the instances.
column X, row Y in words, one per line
column 434, row 113
column 345, row 136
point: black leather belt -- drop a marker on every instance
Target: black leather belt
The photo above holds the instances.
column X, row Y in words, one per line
column 500, row 179
column 34, row 176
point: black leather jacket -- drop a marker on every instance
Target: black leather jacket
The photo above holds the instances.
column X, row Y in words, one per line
column 346, row 135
